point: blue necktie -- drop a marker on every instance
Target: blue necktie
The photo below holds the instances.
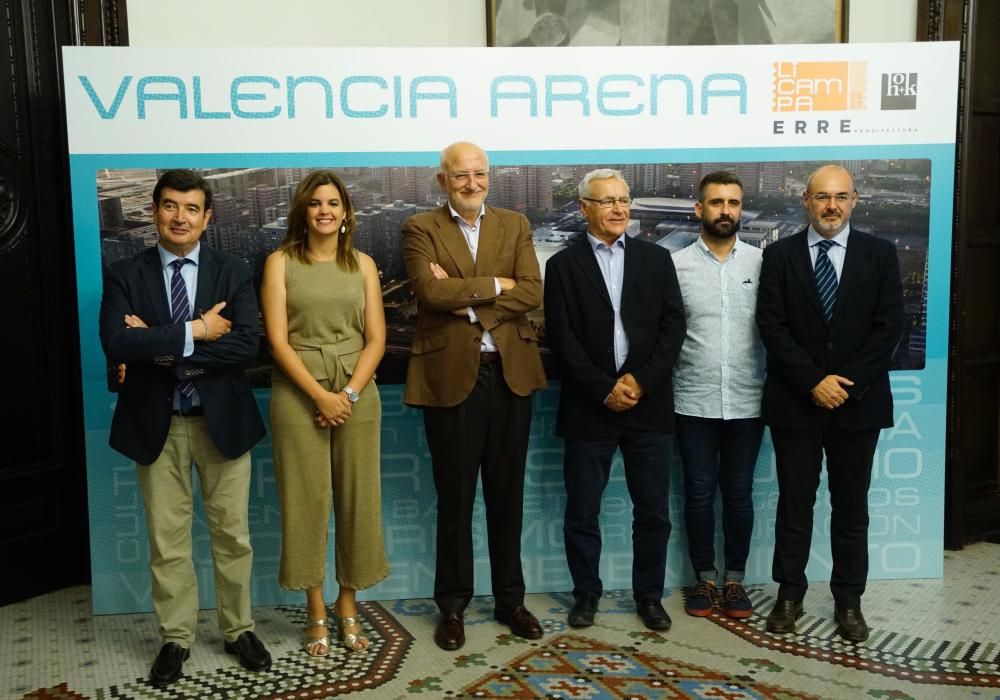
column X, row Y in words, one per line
column 180, row 312
column 826, row 279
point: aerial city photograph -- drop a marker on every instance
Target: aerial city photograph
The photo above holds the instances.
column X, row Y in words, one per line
column 251, row 204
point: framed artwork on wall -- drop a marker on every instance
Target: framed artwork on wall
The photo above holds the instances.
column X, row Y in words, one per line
column 664, row 22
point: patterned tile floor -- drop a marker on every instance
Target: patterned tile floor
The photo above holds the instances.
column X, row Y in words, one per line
column 935, row 639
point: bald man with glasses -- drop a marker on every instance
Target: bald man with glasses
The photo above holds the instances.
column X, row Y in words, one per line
column 473, row 367
column 830, row 314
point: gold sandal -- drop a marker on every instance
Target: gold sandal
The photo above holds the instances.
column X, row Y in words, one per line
column 352, row 641
column 316, row 646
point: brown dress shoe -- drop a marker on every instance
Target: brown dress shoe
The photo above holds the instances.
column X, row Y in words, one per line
column 851, row 624
column 450, row 632
column 781, row 619
column 521, row 622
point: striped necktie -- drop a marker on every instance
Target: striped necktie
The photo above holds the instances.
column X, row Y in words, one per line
column 180, row 312
column 826, row 279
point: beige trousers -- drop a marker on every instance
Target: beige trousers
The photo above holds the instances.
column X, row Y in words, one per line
column 310, row 463
column 167, row 491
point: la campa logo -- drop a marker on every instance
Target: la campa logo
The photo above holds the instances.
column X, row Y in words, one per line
column 820, row 86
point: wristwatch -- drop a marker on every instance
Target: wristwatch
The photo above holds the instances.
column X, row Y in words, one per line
column 352, row 395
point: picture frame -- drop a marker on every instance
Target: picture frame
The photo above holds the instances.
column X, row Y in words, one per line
column 664, row 22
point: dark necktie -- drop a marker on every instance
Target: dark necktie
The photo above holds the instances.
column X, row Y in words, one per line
column 180, row 312
column 826, row 278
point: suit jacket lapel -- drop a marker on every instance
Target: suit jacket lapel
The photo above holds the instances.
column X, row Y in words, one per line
column 490, row 239
column 631, row 272
column 151, row 272
column 849, row 275
column 802, row 264
column 206, row 274
column 587, row 263
column 455, row 243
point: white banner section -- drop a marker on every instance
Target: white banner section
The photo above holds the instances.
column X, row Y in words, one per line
column 349, row 100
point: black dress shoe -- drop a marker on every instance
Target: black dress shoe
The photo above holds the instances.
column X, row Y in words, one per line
column 521, row 622
column 652, row 613
column 254, row 656
column 851, row 624
column 167, row 667
column 450, row 631
column 583, row 610
column 781, row 619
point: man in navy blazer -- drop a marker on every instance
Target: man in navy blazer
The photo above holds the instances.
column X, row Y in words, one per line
column 182, row 318
column 829, row 310
column 614, row 319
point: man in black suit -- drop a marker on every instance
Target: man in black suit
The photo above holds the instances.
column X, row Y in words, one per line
column 829, row 309
column 183, row 320
column 615, row 323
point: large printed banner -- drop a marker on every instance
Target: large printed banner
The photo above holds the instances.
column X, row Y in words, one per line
column 255, row 121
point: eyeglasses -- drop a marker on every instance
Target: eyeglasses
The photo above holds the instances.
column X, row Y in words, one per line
column 467, row 176
column 824, row 198
column 625, row 202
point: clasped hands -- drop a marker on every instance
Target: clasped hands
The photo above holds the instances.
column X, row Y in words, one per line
column 830, row 392
column 506, row 284
column 625, row 394
column 332, row 409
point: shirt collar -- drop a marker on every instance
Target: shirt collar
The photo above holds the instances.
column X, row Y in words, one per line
column 456, row 215
column 166, row 257
column 705, row 250
column 596, row 242
column 840, row 239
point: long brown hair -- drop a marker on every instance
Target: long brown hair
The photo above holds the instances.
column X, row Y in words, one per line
column 296, row 241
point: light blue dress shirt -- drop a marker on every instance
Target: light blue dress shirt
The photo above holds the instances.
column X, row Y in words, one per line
column 611, row 263
column 720, row 370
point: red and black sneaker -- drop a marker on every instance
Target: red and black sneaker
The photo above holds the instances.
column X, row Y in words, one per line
column 735, row 602
column 701, row 600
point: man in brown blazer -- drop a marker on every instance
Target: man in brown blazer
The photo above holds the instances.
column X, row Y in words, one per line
column 472, row 369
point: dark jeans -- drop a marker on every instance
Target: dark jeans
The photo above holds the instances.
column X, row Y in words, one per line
column 719, row 455
column 586, row 469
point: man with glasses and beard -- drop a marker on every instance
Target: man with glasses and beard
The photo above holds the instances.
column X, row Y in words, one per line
column 718, row 381
column 830, row 313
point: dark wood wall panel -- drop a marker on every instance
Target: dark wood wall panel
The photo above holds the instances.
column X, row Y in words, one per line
column 973, row 461
column 980, row 456
column 43, row 523
column 980, row 324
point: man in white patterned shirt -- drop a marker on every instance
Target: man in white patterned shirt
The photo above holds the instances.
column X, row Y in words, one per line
column 718, row 380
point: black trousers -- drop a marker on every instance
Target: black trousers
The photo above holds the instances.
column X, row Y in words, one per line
column 799, row 455
column 488, row 432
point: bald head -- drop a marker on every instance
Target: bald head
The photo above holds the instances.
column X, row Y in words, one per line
column 829, row 199
column 458, row 151
column 831, row 170
column 465, row 178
